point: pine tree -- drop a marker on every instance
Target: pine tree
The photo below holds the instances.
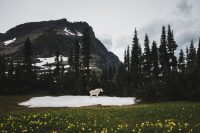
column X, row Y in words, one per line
column 2, row 73
column 163, row 56
column 128, row 58
column 173, row 58
column 2, row 67
column 135, row 66
column 147, row 58
column 181, row 61
column 28, row 61
column 71, row 59
column 125, row 60
column 28, row 55
column 171, row 45
column 85, row 53
column 154, row 57
column 77, row 57
column 198, row 56
column 86, row 49
column 191, row 56
column 11, row 70
column 187, row 55
column 57, row 64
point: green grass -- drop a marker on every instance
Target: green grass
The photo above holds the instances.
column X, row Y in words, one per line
column 145, row 118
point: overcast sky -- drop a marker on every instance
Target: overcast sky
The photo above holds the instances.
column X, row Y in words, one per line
column 113, row 21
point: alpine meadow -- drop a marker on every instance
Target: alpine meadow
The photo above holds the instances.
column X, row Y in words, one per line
column 109, row 66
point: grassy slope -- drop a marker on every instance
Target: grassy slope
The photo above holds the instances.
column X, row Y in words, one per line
column 160, row 117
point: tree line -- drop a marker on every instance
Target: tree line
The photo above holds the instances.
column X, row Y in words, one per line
column 152, row 74
column 21, row 76
column 157, row 74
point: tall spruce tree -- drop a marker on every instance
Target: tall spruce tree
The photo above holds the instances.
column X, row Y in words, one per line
column 154, row 57
column 163, row 56
column 2, row 67
column 86, row 49
column 191, row 56
column 57, row 64
column 71, row 59
column 128, row 58
column 77, row 57
column 198, row 57
column 135, row 66
column 147, row 58
column 85, row 53
column 28, row 61
column 28, row 55
column 171, row 47
column 181, row 61
column 125, row 60
column 11, row 70
column 2, row 73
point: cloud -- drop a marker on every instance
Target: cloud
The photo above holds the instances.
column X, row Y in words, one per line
column 184, row 7
column 106, row 40
column 182, row 21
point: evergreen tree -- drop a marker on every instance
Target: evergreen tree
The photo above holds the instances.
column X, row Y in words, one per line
column 154, row 57
column 171, row 45
column 147, row 58
column 11, row 71
column 128, row 58
column 136, row 61
column 191, row 56
column 28, row 61
column 163, row 56
column 125, row 60
column 2, row 67
column 77, row 57
column 2, row 73
column 71, row 59
column 196, row 94
column 57, row 64
column 198, row 57
column 28, row 55
column 187, row 55
column 181, row 61
column 86, row 47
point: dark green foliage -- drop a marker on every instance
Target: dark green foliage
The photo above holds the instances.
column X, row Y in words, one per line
column 135, row 66
column 155, row 75
column 28, row 58
column 181, row 61
column 77, row 58
column 163, row 56
column 169, row 79
column 127, row 59
column 2, row 73
column 86, row 50
column 191, row 56
column 154, row 57
column 147, row 58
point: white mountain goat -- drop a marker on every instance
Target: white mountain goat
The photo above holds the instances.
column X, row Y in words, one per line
column 96, row 91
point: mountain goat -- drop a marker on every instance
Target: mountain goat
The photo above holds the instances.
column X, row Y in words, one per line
column 96, row 91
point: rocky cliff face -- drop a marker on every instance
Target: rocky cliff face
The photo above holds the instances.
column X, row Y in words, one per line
column 48, row 36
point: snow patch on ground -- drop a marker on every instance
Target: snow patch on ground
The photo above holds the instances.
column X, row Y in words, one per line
column 68, row 32
column 9, row 41
column 79, row 34
column 49, row 60
column 77, row 101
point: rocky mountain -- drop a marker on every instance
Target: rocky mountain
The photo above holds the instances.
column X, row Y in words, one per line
column 48, row 36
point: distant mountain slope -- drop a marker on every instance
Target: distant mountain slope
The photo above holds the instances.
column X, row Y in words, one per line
column 48, row 36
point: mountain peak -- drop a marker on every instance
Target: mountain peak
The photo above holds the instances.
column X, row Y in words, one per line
column 47, row 36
